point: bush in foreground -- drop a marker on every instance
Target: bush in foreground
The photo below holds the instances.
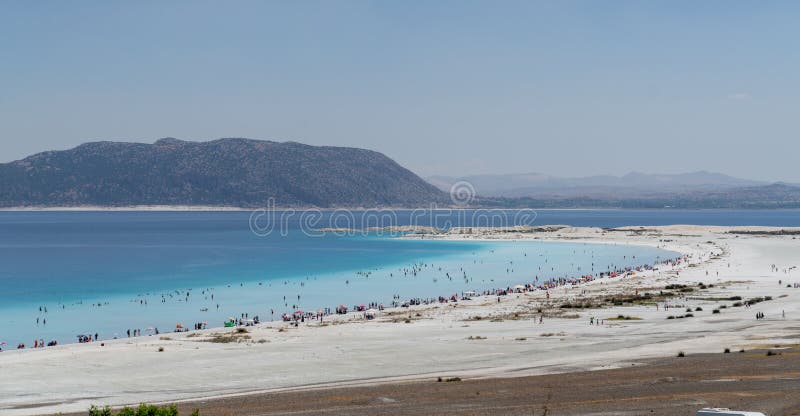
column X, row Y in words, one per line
column 142, row 410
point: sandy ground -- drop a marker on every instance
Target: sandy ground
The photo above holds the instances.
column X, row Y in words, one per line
column 666, row 387
column 445, row 340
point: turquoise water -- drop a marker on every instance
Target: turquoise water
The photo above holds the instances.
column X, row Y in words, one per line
column 106, row 272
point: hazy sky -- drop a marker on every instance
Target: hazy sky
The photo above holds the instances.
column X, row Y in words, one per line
column 563, row 87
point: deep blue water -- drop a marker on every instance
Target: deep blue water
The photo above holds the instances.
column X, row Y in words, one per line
column 68, row 261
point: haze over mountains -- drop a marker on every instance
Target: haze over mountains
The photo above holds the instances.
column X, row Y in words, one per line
column 634, row 190
column 631, row 184
column 250, row 173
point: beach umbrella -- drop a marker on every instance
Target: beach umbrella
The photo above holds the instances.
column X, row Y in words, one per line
column 179, row 326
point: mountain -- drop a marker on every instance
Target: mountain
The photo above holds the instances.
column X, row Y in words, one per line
column 771, row 196
column 633, row 184
column 777, row 195
column 225, row 172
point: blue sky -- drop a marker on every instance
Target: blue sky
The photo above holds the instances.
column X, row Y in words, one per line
column 449, row 87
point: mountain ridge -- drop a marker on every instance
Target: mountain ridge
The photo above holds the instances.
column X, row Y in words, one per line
column 248, row 173
column 630, row 184
column 224, row 172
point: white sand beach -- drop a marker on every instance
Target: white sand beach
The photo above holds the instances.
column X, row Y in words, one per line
column 470, row 339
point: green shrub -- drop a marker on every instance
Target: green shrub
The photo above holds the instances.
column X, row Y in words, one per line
column 674, row 286
column 448, row 380
column 141, row 410
column 95, row 411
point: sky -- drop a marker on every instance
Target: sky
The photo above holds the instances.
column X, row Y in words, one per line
column 567, row 88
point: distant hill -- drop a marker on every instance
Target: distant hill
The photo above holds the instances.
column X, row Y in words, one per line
column 226, row 172
column 634, row 184
column 634, row 190
column 754, row 197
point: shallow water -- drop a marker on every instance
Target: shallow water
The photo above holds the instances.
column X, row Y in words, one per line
column 138, row 267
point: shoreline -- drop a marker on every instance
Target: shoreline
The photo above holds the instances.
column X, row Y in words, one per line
column 424, row 293
column 440, row 331
column 215, row 208
column 357, row 285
